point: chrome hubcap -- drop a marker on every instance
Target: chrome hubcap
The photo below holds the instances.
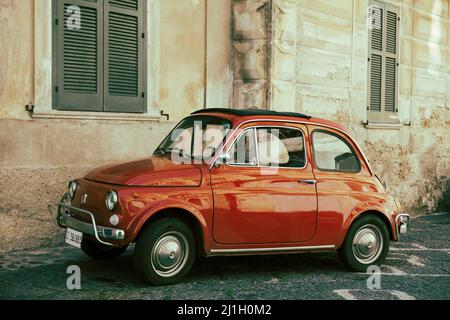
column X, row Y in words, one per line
column 367, row 244
column 170, row 254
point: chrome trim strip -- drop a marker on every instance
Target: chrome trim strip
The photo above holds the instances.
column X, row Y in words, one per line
column 255, row 136
column 269, row 250
column 400, row 215
column 297, row 122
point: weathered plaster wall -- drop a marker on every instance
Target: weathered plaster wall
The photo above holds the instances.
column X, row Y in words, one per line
column 251, row 53
column 413, row 162
column 318, row 65
column 39, row 156
column 300, row 55
column 219, row 73
column 16, row 57
column 182, row 56
column 195, row 56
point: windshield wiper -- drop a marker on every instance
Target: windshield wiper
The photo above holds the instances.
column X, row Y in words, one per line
column 161, row 150
column 180, row 153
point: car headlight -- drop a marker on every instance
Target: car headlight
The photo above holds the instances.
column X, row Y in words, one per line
column 72, row 189
column 111, row 200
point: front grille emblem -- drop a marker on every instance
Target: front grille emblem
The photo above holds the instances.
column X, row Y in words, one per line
column 84, row 198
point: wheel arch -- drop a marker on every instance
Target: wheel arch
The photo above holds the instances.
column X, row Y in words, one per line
column 378, row 214
column 181, row 214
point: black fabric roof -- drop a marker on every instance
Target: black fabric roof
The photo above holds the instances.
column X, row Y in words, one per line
column 252, row 112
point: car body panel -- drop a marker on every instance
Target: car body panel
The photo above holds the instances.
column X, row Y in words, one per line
column 260, row 205
column 149, row 172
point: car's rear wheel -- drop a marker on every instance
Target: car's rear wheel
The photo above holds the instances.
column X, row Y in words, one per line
column 165, row 251
column 98, row 251
column 366, row 244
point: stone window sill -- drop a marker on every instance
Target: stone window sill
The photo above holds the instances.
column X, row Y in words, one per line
column 380, row 125
column 75, row 115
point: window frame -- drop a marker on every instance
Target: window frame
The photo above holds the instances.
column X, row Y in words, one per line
column 254, row 128
column 44, row 70
column 352, row 149
column 383, row 116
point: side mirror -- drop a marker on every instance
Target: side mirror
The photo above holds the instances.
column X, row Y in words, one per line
column 222, row 159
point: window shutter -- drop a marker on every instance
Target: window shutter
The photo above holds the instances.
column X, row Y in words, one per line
column 377, row 28
column 79, row 84
column 124, row 53
column 376, row 58
column 376, row 67
column 383, row 63
column 391, row 60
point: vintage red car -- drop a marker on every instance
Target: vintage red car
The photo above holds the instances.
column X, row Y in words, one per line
column 235, row 182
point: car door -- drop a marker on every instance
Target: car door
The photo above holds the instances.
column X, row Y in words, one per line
column 343, row 179
column 265, row 192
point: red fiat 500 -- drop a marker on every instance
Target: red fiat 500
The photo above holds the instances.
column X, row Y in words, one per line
column 235, row 182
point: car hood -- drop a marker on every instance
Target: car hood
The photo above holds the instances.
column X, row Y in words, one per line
column 151, row 172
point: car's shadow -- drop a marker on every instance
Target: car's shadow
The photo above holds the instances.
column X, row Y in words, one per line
column 121, row 270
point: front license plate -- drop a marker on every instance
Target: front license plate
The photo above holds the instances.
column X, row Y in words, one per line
column 74, row 237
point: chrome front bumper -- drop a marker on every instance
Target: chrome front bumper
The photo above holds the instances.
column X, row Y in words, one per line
column 402, row 222
column 65, row 220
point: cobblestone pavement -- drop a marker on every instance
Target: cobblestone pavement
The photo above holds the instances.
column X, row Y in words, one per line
column 418, row 267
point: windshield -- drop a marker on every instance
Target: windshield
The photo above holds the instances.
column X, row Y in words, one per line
column 195, row 138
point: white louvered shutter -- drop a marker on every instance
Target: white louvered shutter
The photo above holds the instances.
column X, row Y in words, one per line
column 376, row 59
column 391, row 61
column 383, row 63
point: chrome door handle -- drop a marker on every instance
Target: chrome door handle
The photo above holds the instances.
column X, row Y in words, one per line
column 307, row 181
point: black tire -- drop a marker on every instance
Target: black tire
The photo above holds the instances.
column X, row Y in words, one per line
column 98, row 251
column 366, row 231
column 176, row 245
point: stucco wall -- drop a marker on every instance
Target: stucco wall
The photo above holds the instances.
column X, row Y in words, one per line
column 331, row 74
column 182, row 56
column 16, row 52
column 313, row 55
column 38, row 156
column 318, row 65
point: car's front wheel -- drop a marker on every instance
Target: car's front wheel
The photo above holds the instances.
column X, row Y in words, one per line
column 165, row 251
column 366, row 244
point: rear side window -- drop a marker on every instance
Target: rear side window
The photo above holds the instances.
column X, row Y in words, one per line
column 332, row 153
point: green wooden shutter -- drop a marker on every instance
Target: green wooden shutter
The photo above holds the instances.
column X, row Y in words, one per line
column 79, row 76
column 124, row 53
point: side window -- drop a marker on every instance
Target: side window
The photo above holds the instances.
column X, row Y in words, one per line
column 243, row 151
column 333, row 153
column 281, row 147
